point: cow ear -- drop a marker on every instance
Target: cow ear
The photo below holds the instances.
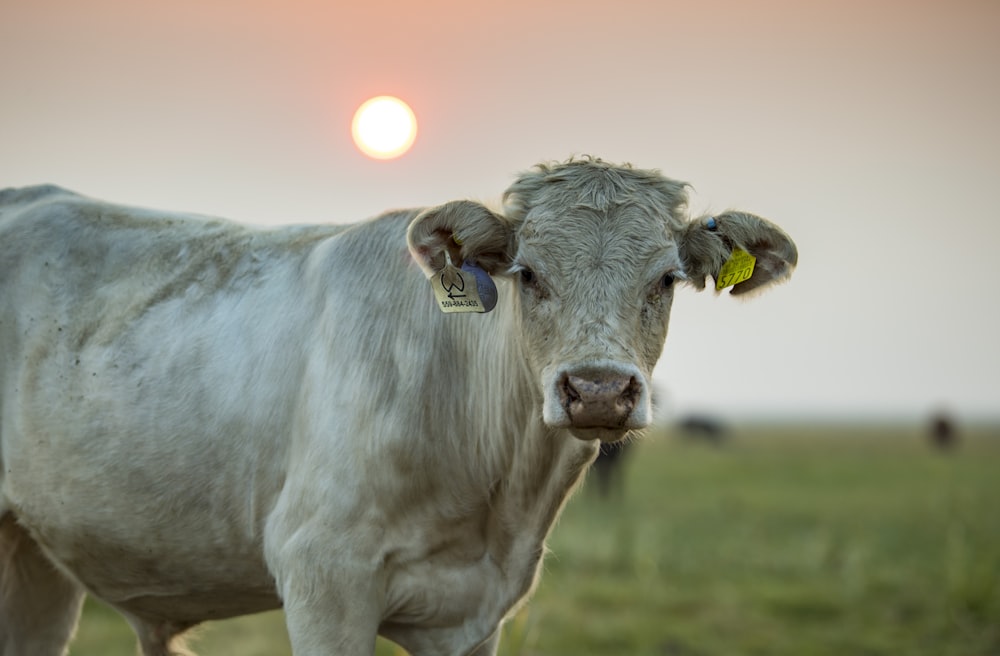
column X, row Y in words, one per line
column 707, row 243
column 467, row 231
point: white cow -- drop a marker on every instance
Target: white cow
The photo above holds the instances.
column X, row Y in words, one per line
column 201, row 420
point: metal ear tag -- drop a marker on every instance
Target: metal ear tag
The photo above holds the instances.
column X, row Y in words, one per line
column 469, row 289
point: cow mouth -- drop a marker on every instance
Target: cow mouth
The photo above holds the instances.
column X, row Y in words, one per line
column 601, row 434
column 596, row 399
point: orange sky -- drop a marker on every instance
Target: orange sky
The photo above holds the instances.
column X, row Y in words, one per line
column 868, row 130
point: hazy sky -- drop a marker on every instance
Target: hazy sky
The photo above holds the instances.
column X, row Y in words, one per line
column 869, row 130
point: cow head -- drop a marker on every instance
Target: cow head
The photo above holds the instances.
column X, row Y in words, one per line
column 595, row 252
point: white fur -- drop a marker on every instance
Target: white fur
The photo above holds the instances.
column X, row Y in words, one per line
column 200, row 420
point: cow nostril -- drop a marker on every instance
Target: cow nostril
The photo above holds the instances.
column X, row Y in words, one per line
column 570, row 392
column 631, row 393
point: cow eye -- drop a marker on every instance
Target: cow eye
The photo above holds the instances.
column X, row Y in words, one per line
column 527, row 276
column 667, row 281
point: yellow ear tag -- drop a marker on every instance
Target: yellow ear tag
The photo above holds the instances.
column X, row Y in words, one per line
column 738, row 267
column 469, row 289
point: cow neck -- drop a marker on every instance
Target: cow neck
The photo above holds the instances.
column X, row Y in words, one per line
column 532, row 469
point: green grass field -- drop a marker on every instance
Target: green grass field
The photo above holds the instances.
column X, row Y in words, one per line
column 785, row 541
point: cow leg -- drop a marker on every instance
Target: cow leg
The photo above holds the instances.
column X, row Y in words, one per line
column 159, row 638
column 334, row 622
column 328, row 612
column 332, row 606
column 39, row 605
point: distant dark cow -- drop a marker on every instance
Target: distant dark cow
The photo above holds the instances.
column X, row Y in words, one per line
column 200, row 420
column 608, row 468
column 943, row 432
column 704, row 428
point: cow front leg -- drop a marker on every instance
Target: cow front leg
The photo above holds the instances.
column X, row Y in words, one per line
column 327, row 571
column 328, row 609
column 325, row 617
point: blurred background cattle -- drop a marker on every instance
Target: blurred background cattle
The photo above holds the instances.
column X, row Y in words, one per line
column 703, row 428
column 942, row 431
column 609, row 469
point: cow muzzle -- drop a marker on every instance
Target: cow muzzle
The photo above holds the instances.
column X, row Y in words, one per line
column 601, row 400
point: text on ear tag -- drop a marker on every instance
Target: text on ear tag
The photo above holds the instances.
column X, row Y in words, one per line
column 469, row 289
column 737, row 268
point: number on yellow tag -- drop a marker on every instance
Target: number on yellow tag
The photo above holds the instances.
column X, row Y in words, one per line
column 738, row 267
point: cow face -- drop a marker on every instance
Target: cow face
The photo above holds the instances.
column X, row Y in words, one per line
column 595, row 253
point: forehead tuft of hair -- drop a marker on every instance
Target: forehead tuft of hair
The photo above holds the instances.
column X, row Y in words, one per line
column 595, row 184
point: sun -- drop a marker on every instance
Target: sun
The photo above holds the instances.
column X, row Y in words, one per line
column 384, row 127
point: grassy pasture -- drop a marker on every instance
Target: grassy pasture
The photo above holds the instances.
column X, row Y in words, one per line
column 785, row 541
